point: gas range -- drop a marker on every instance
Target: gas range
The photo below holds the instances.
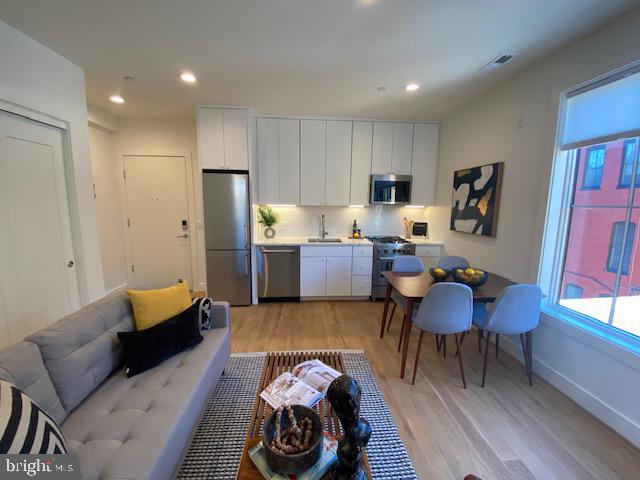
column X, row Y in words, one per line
column 385, row 250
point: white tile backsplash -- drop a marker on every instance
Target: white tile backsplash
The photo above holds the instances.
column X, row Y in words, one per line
column 372, row 220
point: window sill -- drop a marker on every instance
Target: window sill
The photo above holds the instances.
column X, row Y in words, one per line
column 615, row 343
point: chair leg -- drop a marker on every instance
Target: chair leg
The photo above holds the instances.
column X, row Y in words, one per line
column 401, row 332
column 524, row 354
column 437, row 337
column 461, row 340
column 480, row 341
column 486, row 359
column 459, row 355
column 444, row 345
column 497, row 344
column 415, row 367
column 393, row 310
column 529, row 338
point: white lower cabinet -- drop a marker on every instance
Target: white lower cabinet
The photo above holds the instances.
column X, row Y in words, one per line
column 335, row 271
column 338, row 276
column 313, row 276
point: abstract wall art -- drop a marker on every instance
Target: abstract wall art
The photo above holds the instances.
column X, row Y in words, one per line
column 476, row 198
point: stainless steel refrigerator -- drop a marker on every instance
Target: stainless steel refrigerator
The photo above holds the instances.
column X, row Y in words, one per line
column 227, row 236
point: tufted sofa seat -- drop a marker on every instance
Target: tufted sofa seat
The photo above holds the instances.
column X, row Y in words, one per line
column 120, row 428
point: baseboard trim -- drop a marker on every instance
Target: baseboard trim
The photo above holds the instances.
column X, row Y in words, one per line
column 608, row 415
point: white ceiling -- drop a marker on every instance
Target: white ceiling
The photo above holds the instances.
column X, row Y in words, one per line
column 301, row 57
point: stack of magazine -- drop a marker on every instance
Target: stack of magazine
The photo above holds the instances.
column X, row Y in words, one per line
column 305, row 385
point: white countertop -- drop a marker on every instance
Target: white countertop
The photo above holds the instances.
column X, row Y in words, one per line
column 284, row 241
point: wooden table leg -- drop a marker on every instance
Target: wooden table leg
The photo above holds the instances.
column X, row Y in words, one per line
column 387, row 301
column 407, row 332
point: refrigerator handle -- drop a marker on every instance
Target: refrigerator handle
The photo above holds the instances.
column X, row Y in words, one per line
column 247, row 243
column 246, row 263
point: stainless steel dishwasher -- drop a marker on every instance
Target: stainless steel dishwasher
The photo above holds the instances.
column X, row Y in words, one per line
column 278, row 273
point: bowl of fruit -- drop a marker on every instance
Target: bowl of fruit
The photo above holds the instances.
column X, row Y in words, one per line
column 439, row 274
column 470, row 276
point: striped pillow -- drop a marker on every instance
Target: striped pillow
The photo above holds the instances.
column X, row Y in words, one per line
column 204, row 312
column 24, row 427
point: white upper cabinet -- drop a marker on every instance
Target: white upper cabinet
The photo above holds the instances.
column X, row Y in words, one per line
column 210, row 138
column 382, row 148
column 402, row 148
column 338, row 162
column 289, row 165
column 424, row 163
column 223, row 138
column 268, row 160
column 313, row 148
column 361, row 162
column 235, row 123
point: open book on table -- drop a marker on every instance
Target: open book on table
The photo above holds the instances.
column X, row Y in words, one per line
column 305, row 385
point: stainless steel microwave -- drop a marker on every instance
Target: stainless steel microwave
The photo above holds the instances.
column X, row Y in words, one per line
column 390, row 190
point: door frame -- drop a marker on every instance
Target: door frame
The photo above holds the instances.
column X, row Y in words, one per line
column 70, row 187
column 191, row 207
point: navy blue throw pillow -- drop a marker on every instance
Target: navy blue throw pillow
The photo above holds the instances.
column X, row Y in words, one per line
column 145, row 349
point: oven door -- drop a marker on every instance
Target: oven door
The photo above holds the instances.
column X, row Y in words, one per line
column 390, row 189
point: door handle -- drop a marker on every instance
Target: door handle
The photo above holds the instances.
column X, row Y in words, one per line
column 246, row 263
column 70, row 264
column 246, row 235
column 184, row 235
column 278, row 251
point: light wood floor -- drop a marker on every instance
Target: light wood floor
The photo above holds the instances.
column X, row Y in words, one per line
column 507, row 430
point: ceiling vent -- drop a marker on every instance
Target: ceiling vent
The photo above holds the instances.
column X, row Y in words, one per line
column 499, row 61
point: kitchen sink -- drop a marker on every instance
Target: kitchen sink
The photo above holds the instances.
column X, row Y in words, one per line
column 324, row 240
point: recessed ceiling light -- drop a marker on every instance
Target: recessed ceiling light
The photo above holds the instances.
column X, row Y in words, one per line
column 382, row 88
column 412, row 87
column 116, row 99
column 187, row 77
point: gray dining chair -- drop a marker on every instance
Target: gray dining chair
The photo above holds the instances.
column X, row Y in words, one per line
column 404, row 264
column 516, row 311
column 446, row 309
column 449, row 262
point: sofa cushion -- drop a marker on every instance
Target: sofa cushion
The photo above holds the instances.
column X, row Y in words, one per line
column 138, row 427
column 150, row 347
column 151, row 307
column 21, row 364
column 24, row 427
column 82, row 349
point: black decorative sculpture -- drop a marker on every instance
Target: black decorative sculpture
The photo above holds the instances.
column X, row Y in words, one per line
column 344, row 396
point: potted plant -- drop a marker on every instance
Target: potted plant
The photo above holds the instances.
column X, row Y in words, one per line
column 268, row 217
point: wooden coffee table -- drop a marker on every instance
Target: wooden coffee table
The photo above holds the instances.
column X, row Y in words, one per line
column 275, row 364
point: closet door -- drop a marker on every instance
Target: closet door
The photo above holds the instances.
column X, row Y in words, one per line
column 38, row 278
column 313, row 138
column 338, row 164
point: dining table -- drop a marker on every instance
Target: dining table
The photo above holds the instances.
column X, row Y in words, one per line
column 414, row 286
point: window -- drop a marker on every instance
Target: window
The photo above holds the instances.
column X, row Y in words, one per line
column 616, row 246
column 626, row 168
column 590, row 266
column 573, row 291
column 593, row 167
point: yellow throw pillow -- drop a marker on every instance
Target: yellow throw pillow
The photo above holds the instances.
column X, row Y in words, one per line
column 151, row 307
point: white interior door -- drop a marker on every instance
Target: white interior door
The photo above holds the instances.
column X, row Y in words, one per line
column 157, row 206
column 38, row 280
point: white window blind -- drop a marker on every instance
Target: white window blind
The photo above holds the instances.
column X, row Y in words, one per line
column 603, row 111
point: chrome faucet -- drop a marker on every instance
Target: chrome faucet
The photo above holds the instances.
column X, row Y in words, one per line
column 324, row 232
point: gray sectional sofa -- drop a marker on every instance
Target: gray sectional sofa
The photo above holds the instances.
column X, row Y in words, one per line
column 120, row 428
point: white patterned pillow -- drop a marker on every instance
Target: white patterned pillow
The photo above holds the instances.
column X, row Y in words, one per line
column 24, row 427
column 204, row 312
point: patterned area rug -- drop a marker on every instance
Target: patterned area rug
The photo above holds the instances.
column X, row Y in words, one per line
column 219, row 439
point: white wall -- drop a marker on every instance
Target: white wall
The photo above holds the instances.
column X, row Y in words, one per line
column 374, row 220
column 104, row 165
column 516, row 123
column 170, row 136
column 40, row 80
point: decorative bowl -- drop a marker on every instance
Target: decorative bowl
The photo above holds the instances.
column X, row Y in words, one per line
column 475, row 280
column 295, row 463
column 439, row 274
